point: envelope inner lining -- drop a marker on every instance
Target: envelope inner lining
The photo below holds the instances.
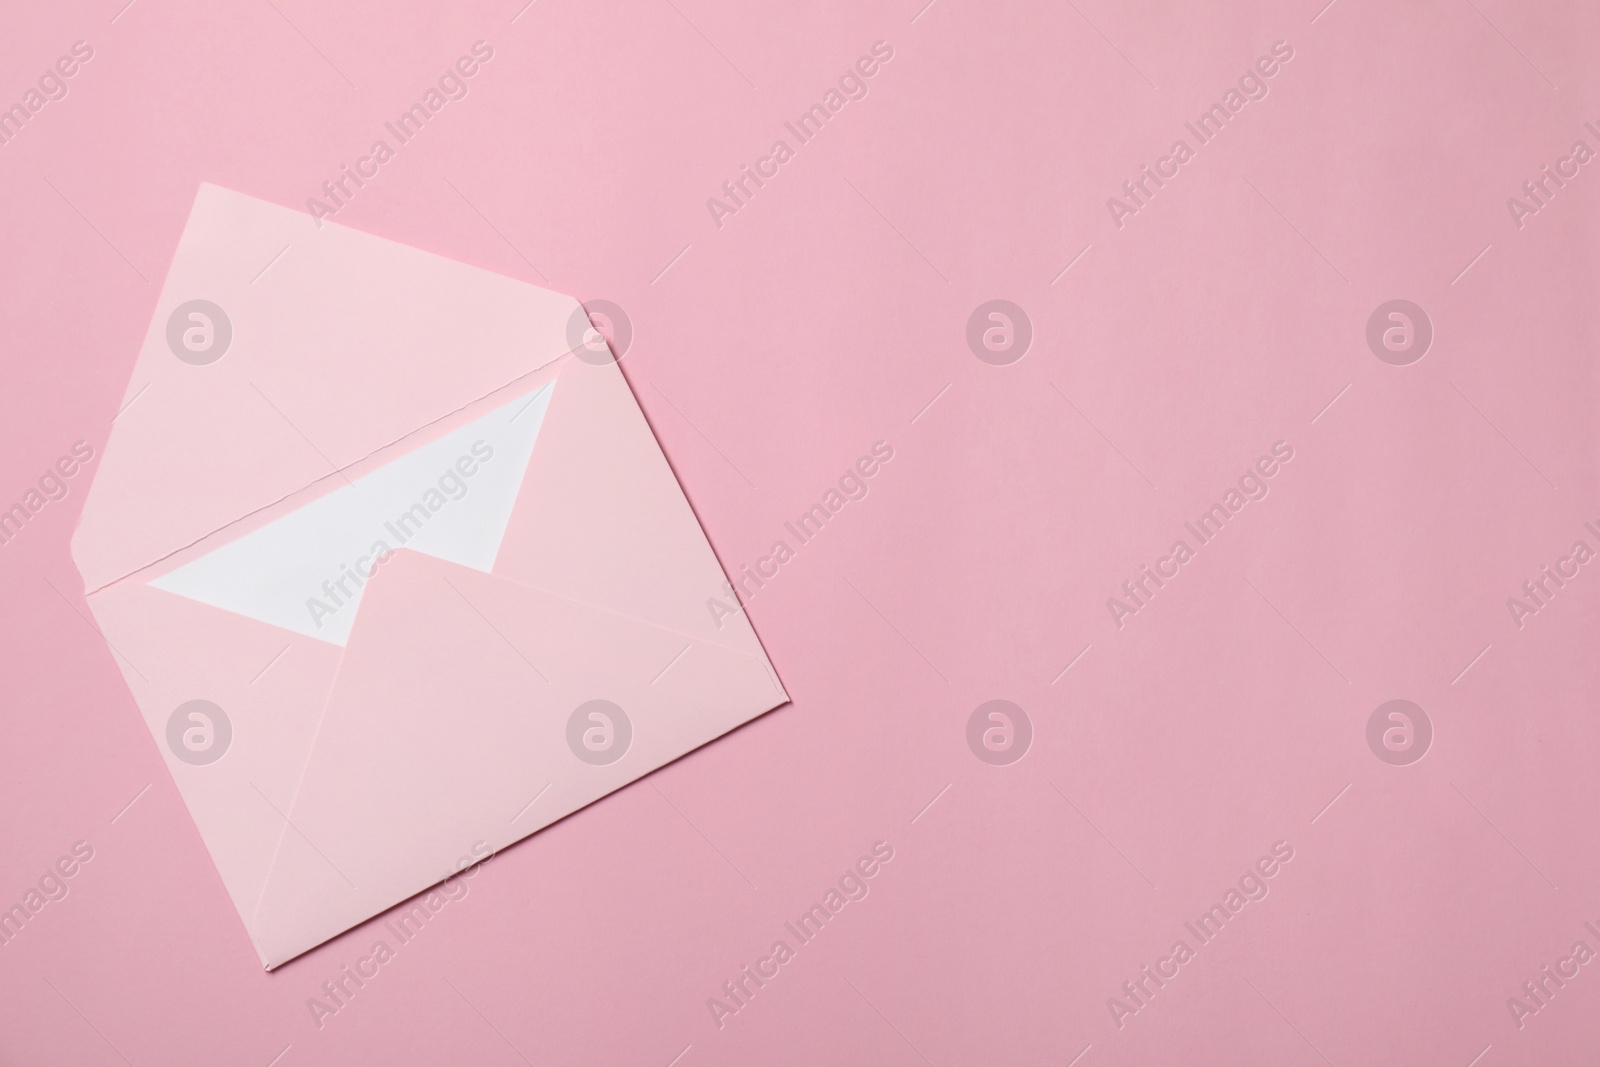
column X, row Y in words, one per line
column 451, row 498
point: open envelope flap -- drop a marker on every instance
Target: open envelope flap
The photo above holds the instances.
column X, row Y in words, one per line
column 281, row 351
column 607, row 522
column 463, row 715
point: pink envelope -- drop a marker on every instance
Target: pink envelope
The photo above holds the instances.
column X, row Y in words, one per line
column 393, row 567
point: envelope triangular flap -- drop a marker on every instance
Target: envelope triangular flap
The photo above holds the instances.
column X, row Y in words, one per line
column 340, row 343
column 611, row 525
column 448, row 729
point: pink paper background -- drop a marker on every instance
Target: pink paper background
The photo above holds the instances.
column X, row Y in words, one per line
column 773, row 351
